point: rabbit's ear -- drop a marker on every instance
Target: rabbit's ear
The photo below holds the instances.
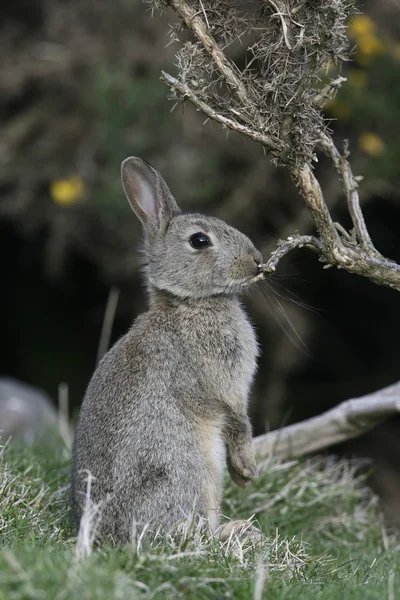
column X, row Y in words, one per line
column 148, row 194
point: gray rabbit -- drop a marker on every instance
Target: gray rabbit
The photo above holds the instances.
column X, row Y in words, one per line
column 167, row 405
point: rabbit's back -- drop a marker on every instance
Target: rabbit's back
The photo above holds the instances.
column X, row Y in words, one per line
column 135, row 438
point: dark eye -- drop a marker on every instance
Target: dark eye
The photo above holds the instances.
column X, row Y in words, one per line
column 199, row 240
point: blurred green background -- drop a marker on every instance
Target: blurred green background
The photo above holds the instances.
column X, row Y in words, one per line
column 80, row 91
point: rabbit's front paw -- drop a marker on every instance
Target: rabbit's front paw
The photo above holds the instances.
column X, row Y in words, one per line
column 241, row 464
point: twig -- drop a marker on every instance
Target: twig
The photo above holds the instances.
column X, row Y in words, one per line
column 350, row 186
column 108, row 322
column 281, row 15
column 197, row 25
column 188, row 94
column 204, row 13
column 328, row 91
column 348, row 420
column 293, row 241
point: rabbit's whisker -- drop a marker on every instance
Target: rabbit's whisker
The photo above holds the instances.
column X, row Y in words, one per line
column 282, row 317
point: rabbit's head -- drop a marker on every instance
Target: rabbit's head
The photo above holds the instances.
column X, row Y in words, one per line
column 186, row 254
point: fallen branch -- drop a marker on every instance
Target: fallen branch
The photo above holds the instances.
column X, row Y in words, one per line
column 348, row 420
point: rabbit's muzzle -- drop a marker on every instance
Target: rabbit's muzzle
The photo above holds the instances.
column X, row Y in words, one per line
column 258, row 270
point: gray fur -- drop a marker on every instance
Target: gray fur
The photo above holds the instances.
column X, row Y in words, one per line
column 169, row 400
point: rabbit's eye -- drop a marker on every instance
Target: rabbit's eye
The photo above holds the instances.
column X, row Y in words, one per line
column 199, row 240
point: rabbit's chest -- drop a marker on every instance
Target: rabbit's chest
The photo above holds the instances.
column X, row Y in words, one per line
column 237, row 353
column 228, row 352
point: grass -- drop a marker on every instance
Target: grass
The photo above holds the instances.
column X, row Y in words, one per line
column 324, row 539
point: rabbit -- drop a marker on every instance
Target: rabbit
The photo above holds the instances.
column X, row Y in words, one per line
column 167, row 405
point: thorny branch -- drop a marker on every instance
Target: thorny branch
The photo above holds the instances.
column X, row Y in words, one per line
column 230, row 123
column 195, row 22
column 275, row 101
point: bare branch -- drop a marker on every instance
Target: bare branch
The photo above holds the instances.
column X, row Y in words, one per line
column 350, row 186
column 338, row 251
column 187, row 93
column 312, row 194
column 348, row 420
column 293, row 241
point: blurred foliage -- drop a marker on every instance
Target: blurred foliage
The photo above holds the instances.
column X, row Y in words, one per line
column 370, row 100
column 129, row 121
column 132, row 118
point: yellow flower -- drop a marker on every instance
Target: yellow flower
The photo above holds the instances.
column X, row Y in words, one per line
column 362, row 29
column 357, row 78
column 360, row 26
column 371, row 144
column 67, row 191
column 369, row 45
